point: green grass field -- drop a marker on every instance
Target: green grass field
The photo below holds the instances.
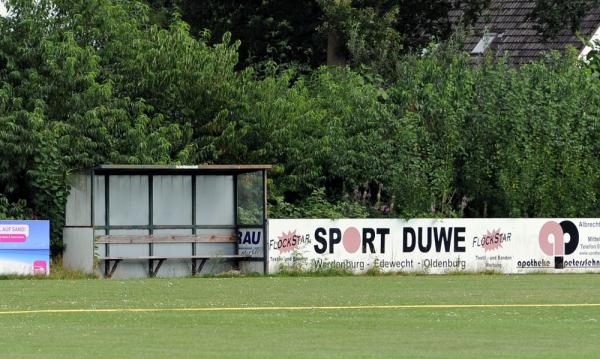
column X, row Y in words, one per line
column 291, row 332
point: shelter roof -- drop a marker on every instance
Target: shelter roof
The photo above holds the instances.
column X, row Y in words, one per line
column 179, row 169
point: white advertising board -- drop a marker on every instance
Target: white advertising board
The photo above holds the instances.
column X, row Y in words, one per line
column 436, row 246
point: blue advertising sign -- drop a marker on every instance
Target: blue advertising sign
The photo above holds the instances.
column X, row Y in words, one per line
column 25, row 247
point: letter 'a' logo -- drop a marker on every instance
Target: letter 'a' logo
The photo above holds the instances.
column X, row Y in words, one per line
column 558, row 248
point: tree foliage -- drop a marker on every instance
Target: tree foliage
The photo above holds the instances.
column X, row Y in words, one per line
column 296, row 32
column 268, row 30
column 373, row 33
column 415, row 24
column 88, row 82
column 553, row 15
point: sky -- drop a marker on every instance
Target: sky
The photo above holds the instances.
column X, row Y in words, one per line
column 2, row 8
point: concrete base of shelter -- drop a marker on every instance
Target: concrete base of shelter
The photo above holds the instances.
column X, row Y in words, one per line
column 179, row 268
column 79, row 249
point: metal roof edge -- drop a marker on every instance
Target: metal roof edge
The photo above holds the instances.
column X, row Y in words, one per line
column 179, row 169
column 186, row 167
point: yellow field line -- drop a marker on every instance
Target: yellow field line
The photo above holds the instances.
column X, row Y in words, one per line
column 258, row 309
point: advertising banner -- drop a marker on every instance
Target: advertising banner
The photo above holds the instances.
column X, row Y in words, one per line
column 436, row 246
column 24, row 247
column 250, row 242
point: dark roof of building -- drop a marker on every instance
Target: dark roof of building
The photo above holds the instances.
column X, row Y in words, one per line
column 516, row 34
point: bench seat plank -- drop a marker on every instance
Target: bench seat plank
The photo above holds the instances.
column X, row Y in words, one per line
column 206, row 238
column 111, row 262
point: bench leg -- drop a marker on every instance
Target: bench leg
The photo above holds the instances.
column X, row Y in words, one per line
column 154, row 270
column 108, row 269
column 197, row 270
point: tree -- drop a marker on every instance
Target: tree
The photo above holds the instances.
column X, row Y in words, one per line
column 553, row 15
column 84, row 82
column 268, row 30
column 417, row 23
column 301, row 32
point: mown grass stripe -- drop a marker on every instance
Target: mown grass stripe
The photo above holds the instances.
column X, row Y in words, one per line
column 298, row 308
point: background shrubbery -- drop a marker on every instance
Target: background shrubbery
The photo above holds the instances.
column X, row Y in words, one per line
column 85, row 82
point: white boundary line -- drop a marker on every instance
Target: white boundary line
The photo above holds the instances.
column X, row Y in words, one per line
column 306, row 308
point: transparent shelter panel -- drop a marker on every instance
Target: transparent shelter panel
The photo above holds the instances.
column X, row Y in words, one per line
column 119, row 249
column 99, row 201
column 216, row 248
column 172, row 200
column 217, row 231
column 172, row 249
column 128, row 200
column 129, row 232
column 209, row 249
column 99, row 249
column 172, row 232
column 214, row 200
column 250, row 198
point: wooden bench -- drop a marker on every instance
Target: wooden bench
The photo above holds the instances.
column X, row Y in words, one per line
column 155, row 261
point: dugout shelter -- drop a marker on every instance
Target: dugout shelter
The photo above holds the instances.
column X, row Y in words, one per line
column 144, row 220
